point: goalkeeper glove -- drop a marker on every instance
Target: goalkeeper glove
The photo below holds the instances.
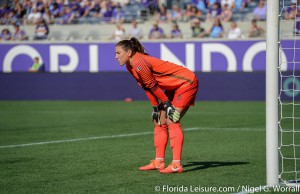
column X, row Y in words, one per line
column 156, row 114
column 171, row 112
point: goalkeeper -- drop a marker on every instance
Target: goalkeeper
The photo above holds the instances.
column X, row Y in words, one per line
column 180, row 85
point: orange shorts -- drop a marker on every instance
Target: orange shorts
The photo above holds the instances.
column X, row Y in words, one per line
column 184, row 97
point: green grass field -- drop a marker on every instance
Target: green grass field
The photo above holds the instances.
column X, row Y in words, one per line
column 86, row 147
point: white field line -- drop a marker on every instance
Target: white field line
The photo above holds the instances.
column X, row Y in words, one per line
column 120, row 136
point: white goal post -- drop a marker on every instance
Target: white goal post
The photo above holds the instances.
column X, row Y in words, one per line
column 272, row 62
column 283, row 93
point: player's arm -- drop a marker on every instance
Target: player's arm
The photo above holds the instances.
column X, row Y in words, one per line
column 171, row 112
column 154, row 92
column 152, row 98
column 155, row 116
column 149, row 83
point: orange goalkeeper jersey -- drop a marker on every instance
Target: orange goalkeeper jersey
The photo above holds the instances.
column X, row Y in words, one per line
column 150, row 71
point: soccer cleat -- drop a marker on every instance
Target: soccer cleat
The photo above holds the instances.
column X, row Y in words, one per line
column 172, row 168
column 154, row 165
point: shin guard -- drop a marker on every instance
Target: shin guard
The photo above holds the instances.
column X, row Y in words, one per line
column 176, row 140
column 160, row 140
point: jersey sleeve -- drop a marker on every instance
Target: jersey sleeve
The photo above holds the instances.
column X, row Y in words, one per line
column 152, row 98
column 148, row 81
column 159, row 93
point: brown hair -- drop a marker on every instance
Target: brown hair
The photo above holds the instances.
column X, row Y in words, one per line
column 132, row 44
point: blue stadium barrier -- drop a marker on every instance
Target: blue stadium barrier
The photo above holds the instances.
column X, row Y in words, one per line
column 120, row 85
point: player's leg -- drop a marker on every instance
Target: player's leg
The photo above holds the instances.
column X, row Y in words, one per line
column 160, row 143
column 164, row 120
column 181, row 102
column 176, row 137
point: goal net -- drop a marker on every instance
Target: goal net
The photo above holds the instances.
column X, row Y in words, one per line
column 289, row 92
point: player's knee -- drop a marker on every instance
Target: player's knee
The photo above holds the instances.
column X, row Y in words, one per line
column 163, row 121
column 155, row 123
column 169, row 122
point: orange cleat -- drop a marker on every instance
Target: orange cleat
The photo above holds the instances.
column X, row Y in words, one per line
column 154, row 165
column 172, row 168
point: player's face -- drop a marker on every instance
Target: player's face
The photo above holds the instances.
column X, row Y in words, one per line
column 122, row 56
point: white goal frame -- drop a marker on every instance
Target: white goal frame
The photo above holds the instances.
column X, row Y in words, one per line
column 272, row 35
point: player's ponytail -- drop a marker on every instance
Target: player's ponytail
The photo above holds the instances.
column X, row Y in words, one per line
column 132, row 44
column 137, row 46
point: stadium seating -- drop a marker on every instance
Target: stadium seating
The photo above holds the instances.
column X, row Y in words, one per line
column 96, row 28
column 135, row 12
column 81, row 32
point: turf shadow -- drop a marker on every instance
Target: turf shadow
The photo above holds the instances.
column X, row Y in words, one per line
column 210, row 164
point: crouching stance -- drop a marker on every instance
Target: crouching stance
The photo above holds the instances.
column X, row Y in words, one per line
column 171, row 90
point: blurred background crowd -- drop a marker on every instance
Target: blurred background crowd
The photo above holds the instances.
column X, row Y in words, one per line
column 145, row 19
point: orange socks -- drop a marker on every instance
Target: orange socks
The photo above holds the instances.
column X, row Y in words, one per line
column 160, row 140
column 176, row 140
